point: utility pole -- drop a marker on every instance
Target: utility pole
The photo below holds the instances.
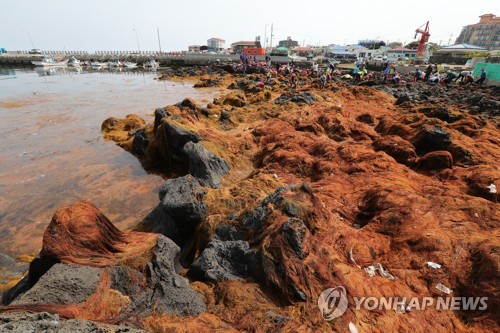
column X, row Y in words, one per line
column 449, row 41
column 137, row 37
column 271, row 35
column 31, row 40
column 265, row 37
column 159, row 43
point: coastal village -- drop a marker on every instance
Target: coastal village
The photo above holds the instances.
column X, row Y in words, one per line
column 339, row 188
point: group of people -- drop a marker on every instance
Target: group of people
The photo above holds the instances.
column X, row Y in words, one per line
column 434, row 75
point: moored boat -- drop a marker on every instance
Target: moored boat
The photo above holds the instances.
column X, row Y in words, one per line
column 47, row 61
column 128, row 64
column 73, row 62
column 151, row 63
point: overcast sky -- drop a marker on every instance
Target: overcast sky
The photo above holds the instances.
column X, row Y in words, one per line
column 92, row 25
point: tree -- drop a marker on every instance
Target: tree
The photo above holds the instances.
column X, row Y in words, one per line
column 376, row 46
column 480, row 54
column 432, row 47
column 395, row 44
column 413, row 45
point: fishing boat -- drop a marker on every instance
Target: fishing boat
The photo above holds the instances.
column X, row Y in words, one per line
column 47, row 61
column 97, row 64
column 114, row 63
column 152, row 63
column 73, row 62
column 128, row 64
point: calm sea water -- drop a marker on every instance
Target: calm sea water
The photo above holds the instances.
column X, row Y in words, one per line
column 52, row 152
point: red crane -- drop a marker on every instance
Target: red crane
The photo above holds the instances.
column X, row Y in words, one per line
column 425, row 37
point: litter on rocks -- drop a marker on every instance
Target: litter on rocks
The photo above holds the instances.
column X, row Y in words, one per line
column 400, row 308
column 433, row 265
column 443, row 288
column 351, row 257
column 352, row 328
column 371, row 270
column 492, row 188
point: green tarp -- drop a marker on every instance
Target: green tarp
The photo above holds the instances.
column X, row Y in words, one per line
column 492, row 70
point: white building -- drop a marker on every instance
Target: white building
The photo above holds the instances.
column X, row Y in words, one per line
column 216, row 44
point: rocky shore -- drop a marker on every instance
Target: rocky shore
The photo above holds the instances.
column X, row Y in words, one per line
column 273, row 195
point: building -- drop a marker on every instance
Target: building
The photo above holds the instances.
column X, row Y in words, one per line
column 455, row 54
column 254, row 51
column 194, row 48
column 486, row 33
column 289, row 43
column 238, row 47
column 400, row 53
column 281, row 51
column 216, row 44
column 340, row 53
column 304, row 51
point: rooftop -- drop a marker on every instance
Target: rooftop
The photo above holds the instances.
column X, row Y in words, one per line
column 463, row 47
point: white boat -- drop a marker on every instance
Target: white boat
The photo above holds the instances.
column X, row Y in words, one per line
column 97, row 64
column 128, row 64
column 151, row 64
column 47, row 61
column 73, row 62
column 114, row 63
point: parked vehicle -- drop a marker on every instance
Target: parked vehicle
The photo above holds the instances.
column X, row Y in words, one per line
column 35, row 51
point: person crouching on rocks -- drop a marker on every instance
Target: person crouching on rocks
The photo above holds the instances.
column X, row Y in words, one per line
column 482, row 77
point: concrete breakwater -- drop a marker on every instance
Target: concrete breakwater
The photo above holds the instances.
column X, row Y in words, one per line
column 165, row 59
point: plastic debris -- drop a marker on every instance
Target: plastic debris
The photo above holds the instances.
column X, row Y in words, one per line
column 400, row 308
column 433, row 265
column 275, row 176
column 371, row 270
column 492, row 188
column 351, row 257
column 443, row 288
column 352, row 328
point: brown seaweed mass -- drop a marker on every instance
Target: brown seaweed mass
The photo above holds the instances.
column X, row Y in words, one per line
column 324, row 183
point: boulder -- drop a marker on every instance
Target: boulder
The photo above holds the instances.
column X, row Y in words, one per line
column 430, row 139
column 63, row 284
column 160, row 113
column 221, row 261
column 171, row 293
column 301, row 97
column 181, row 209
column 188, row 103
column 204, row 165
column 140, row 142
column 51, row 323
column 295, row 230
column 402, row 99
column 177, row 136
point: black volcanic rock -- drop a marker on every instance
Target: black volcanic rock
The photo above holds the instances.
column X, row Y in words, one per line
column 221, row 261
column 204, row 165
column 63, row 284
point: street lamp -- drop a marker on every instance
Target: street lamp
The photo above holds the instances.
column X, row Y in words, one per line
column 137, row 37
column 31, row 40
